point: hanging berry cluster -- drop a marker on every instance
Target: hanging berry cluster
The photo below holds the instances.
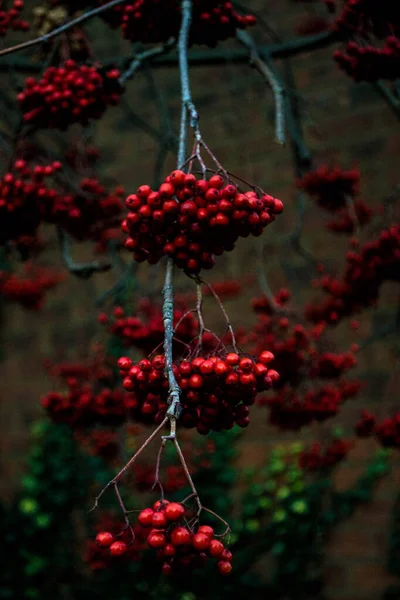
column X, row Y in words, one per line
column 154, row 21
column 145, row 330
column 363, row 24
column 29, row 291
column 191, row 219
column 366, row 270
column 387, row 432
column 25, row 199
column 178, row 545
column 216, row 391
column 10, row 18
column 331, row 186
column 300, row 361
column 69, row 94
column 316, row 458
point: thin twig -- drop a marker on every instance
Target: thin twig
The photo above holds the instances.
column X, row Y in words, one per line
column 139, row 59
column 119, row 475
column 82, row 270
column 273, row 80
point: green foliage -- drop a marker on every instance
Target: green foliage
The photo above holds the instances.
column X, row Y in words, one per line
column 283, row 516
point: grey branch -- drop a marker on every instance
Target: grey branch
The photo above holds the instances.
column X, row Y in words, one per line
column 268, row 72
column 82, row 270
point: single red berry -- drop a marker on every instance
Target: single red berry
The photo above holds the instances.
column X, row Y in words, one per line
column 227, row 555
column 104, row 539
column 224, row 567
column 159, row 520
column 160, row 504
column 124, row 363
column 207, row 530
column 180, row 536
column 177, row 178
column 174, row 511
column 167, row 569
column 273, row 375
column 156, row 539
column 169, row 550
column 215, row 548
column 232, row 359
column 200, row 541
column 266, row 357
column 118, row 548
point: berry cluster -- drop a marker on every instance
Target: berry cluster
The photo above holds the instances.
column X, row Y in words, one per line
column 366, row 270
column 99, row 442
column 330, row 186
column 369, row 63
column 69, row 94
column 83, row 405
column 145, row 330
column 216, row 392
column 10, row 18
column 30, row 290
column 365, row 23
column 315, row 458
column 25, row 200
column 191, row 219
column 345, row 223
column 177, row 545
column 300, row 360
column 387, row 432
column 154, row 21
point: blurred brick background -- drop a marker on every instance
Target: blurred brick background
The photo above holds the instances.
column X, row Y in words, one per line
column 344, row 124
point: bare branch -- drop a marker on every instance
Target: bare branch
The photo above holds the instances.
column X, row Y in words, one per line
column 139, row 59
column 82, row 270
column 268, row 72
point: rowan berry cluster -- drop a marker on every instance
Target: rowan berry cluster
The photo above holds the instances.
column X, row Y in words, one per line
column 369, row 63
column 316, row 458
column 87, row 404
column 99, row 442
column 345, row 223
column 299, row 360
column 154, row 21
column 176, row 543
column 69, row 94
column 387, row 432
column 368, row 22
column 10, row 18
column 216, row 391
column 145, row 330
column 330, row 186
column 191, row 219
column 25, row 199
column 366, row 270
column 29, row 291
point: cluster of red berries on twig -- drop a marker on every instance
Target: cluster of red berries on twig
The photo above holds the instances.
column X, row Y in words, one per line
column 343, row 222
column 30, row 290
column 369, row 63
column 153, row 21
column 363, row 24
column 330, row 186
column 387, row 432
column 145, row 330
column 366, row 270
column 25, row 199
column 300, row 360
column 216, row 391
column 177, row 543
column 10, row 18
column 191, row 219
column 316, row 458
column 69, row 94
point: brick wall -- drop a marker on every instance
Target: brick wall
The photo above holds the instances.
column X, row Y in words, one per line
column 343, row 123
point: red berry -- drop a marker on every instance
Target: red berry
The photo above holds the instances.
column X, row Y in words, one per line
column 118, row 548
column 266, row 357
column 145, row 517
column 104, row 539
column 200, row 541
column 207, row 530
column 216, row 548
column 156, row 539
column 160, row 504
column 159, row 520
column 177, row 178
column 180, row 536
column 174, row 511
column 224, row 567
column 232, row 359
